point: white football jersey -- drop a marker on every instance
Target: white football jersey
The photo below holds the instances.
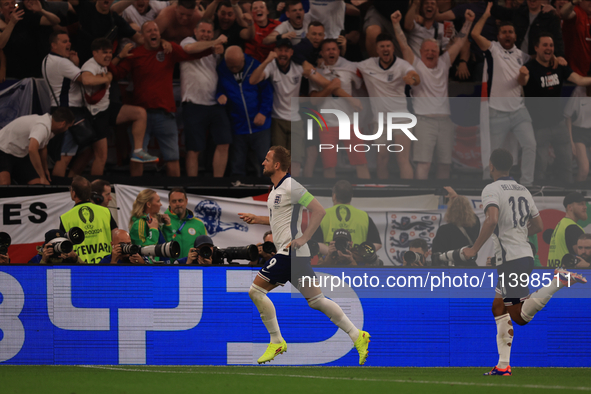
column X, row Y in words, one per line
column 505, row 91
column 286, row 203
column 96, row 69
column 285, row 87
column 516, row 206
column 346, row 71
column 332, row 15
column 385, row 86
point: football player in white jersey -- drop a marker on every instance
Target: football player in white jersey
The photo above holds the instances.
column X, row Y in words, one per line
column 386, row 77
column 292, row 261
column 512, row 216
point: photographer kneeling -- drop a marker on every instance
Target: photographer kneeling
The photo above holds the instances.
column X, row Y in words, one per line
column 201, row 253
column 56, row 250
column 418, row 251
column 266, row 250
column 342, row 252
column 122, row 240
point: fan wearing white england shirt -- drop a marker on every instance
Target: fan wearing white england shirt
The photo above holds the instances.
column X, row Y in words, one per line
column 386, row 77
column 287, row 129
column 107, row 114
column 343, row 77
column 434, row 130
column 506, row 106
column 201, row 111
column 60, row 70
column 511, row 217
column 294, row 28
column 331, row 13
column 292, row 261
column 142, row 11
column 428, row 28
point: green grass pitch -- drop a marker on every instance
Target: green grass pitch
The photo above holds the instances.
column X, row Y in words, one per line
column 268, row 379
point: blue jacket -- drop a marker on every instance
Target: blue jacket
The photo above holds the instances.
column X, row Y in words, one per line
column 245, row 101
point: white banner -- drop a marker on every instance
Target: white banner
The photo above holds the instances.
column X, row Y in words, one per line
column 27, row 219
column 399, row 219
column 220, row 215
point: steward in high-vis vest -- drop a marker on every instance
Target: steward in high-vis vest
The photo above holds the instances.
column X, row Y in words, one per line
column 344, row 216
column 567, row 231
column 94, row 220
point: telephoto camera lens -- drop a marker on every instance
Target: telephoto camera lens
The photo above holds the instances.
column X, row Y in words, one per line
column 75, row 235
column 206, row 253
column 62, row 245
column 248, row 253
column 170, row 249
column 412, row 257
column 452, row 258
column 129, row 249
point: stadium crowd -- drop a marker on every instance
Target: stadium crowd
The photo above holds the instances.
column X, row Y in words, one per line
column 241, row 63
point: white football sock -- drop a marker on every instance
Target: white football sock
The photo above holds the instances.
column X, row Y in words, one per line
column 335, row 314
column 504, row 339
column 258, row 295
column 137, row 150
column 538, row 300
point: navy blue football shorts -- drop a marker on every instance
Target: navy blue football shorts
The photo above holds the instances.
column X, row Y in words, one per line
column 513, row 280
column 282, row 269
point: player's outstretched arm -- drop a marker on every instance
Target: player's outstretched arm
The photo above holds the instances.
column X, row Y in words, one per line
column 488, row 227
column 317, row 212
column 253, row 219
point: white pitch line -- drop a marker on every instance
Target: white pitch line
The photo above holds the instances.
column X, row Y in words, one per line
column 527, row 386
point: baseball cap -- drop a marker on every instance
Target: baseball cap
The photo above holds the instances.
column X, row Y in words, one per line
column 202, row 240
column 572, row 198
column 341, row 233
column 53, row 234
column 284, row 42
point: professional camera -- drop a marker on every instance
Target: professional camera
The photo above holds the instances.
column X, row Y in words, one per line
column 206, row 253
column 452, row 258
column 569, row 260
column 5, row 242
column 170, row 249
column 74, row 236
column 248, row 253
column 62, row 245
column 129, row 249
column 411, row 257
column 341, row 238
column 365, row 254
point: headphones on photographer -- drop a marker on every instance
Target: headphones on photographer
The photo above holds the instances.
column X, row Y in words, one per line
column 97, row 198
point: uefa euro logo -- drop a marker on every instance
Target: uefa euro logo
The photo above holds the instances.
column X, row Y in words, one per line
column 345, row 127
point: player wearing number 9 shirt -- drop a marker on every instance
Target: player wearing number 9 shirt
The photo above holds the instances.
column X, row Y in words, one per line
column 512, row 216
column 292, row 261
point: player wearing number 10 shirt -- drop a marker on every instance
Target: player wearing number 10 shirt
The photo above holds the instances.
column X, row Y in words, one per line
column 512, row 216
column 292, row 261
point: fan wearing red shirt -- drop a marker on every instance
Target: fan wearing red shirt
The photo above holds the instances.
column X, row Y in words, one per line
column 263, row 26
column 576, row 35
column 151, row 72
